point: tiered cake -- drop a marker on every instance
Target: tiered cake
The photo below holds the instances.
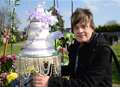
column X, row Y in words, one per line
column 39, row 42
column 38, row 53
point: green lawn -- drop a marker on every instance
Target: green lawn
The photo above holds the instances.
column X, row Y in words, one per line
column 15, row 48
column 115, row 77
column 116, row 49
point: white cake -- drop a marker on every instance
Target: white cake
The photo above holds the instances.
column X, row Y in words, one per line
column 39, row 42
column 38, row 53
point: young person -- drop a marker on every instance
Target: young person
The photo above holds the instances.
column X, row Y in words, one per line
column 89, row 60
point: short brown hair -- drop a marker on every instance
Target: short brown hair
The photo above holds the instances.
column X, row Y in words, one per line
column 83, row 16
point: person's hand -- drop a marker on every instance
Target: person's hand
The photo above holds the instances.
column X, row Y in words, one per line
column 40, row 80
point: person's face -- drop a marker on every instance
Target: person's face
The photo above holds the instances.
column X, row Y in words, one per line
column 82, row 33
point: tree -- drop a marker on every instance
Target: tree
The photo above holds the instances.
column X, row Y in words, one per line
column 109, row 27
column 111, row 22
column 60, row 24
column 4, row 18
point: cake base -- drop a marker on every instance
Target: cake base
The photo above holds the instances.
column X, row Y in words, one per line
column 44, row 65
column 25, row 66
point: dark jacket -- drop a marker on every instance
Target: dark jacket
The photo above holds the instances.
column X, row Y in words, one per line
column 91, row 69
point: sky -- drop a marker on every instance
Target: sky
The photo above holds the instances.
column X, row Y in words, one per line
column 103, row 10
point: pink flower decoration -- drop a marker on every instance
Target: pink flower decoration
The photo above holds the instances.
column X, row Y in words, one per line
column 42, row 15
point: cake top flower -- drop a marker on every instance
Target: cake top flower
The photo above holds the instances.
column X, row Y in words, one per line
column 42, row 15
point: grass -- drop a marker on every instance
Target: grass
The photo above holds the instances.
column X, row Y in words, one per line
column 116, row 47
column 15, row 48
column 115, row 75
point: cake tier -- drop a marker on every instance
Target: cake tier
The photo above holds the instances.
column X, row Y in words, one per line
column 37, row 52
column 37, row 25
column 38, row 44
column 35, row 36
column 38, row 34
